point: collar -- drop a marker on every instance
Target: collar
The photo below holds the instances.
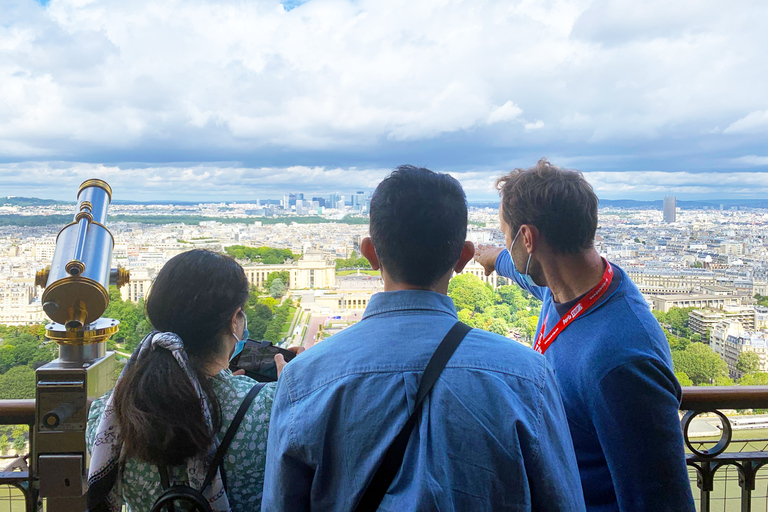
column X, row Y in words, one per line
column 409, row 300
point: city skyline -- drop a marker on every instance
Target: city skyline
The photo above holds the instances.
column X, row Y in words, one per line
column 644, row 98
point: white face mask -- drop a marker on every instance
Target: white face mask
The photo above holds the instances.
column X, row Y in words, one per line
column 527, row 279
column 240, row 341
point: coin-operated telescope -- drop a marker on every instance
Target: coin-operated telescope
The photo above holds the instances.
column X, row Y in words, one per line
column 76, row 295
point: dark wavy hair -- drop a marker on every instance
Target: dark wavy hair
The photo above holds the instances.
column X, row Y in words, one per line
column 195, row 296
column 559, row 202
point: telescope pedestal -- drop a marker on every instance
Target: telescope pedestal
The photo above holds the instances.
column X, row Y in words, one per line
column 65, row 387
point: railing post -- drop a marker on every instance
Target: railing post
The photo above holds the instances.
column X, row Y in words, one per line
column 705, row 478
column 747, row 483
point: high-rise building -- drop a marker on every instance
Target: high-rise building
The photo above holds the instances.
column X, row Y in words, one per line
column 670, row 209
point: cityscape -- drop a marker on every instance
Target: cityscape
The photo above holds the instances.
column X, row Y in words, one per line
column 711, row 263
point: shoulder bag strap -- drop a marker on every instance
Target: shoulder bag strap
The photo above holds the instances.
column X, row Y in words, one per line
column 393, row 458
column 230, row 434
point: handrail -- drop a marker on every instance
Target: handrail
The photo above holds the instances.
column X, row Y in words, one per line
column 17, row 412
column 707, row 398
column 21, row 412
column 695, row 398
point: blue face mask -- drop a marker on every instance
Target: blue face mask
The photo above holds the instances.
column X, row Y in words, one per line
column 240, row 342
column 526, row 277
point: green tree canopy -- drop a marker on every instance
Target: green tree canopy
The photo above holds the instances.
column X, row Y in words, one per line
column 469, row 292
column 683, row 379
column 277, row 289
column 266, row 255
column 283, row 276
column 754, row 379
column 749, row 362
column 700, row 363
column 17, row 383
column 352, row 262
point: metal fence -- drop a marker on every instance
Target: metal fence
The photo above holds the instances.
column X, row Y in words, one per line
column 727, row 474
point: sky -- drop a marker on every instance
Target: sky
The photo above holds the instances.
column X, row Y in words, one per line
column 244, row 99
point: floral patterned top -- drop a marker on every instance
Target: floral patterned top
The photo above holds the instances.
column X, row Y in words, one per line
column 243, row 463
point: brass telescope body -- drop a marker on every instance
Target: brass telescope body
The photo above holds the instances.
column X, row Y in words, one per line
column 76, row 295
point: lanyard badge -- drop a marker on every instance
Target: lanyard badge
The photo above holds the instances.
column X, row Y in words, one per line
column 543, row 342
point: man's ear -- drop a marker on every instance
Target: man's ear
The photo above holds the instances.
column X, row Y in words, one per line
column 467, row 253
column 369, row 253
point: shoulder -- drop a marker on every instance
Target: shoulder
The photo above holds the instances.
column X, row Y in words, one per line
column 625, row 331
column 488, row 351
column 232, row 389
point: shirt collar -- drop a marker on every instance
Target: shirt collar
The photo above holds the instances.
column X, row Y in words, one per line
column 387, row 302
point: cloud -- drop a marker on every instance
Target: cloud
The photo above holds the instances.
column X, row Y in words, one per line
column 752, row 160
column 231, row 181
column 507, row 112
column 753, row 122
column 369, row 84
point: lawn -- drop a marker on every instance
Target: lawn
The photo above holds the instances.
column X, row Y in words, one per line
column 362, row 271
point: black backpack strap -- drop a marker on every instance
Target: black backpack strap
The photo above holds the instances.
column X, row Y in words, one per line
column 393, row 458
column 218, row 459
column 165, row 482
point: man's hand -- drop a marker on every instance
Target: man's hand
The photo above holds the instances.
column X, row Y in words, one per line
column 280, row 360
column 486, row 256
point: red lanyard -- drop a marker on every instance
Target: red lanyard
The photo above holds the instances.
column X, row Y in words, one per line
column 543, row 342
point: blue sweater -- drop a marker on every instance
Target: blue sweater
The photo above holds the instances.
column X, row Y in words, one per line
column 621, row 397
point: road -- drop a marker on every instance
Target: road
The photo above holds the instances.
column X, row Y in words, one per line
column 314, row 324
column 312, row 328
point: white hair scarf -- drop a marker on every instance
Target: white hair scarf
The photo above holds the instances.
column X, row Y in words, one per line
column 103, row 473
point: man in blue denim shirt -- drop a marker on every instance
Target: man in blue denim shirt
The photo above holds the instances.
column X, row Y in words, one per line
column 492, row 435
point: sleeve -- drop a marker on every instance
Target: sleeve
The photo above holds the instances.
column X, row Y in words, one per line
column 288, row 477
column 94, row 416
column 505, row 267
column 635, row 413
column 553, row 473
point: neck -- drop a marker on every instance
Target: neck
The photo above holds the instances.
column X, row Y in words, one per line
column 572, row 275
column 440, row 286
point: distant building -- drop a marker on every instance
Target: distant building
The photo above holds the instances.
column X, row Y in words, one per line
column 670, row 209
column 666, row 302
column 703, row 321
column 478, row 271
column 730, row 340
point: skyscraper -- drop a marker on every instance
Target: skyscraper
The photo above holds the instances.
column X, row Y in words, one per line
column 670, row 209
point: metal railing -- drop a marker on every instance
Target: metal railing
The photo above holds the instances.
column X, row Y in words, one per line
column 17, row 481
column 728, row 473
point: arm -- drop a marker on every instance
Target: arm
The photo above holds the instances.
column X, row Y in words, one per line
column 553, row 474
column 505, row 267
column 287, row 478
column 634, row 410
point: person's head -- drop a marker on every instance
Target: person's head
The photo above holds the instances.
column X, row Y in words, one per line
column 198, row 295
column 546, row 208
column 418, row 227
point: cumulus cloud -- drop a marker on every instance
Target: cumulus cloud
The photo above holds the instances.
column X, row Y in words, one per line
column 349, row 83
column 753, row 122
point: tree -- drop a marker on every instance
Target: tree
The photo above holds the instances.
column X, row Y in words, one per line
column 754, row 379
column 17, row 383
column 749, row 362
column 676, row 342
column 283, row 276
column 700, row 363
column 4, row 444
column 512, row 296
column 498, row 326
column 277, row 289
column 469, row 292
column 683, row 379
column 20, row 437
column 500, row 311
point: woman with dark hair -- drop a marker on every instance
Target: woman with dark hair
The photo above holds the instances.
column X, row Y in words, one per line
column 176, row 397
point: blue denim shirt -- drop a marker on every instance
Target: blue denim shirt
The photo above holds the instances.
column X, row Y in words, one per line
column 491, row 436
